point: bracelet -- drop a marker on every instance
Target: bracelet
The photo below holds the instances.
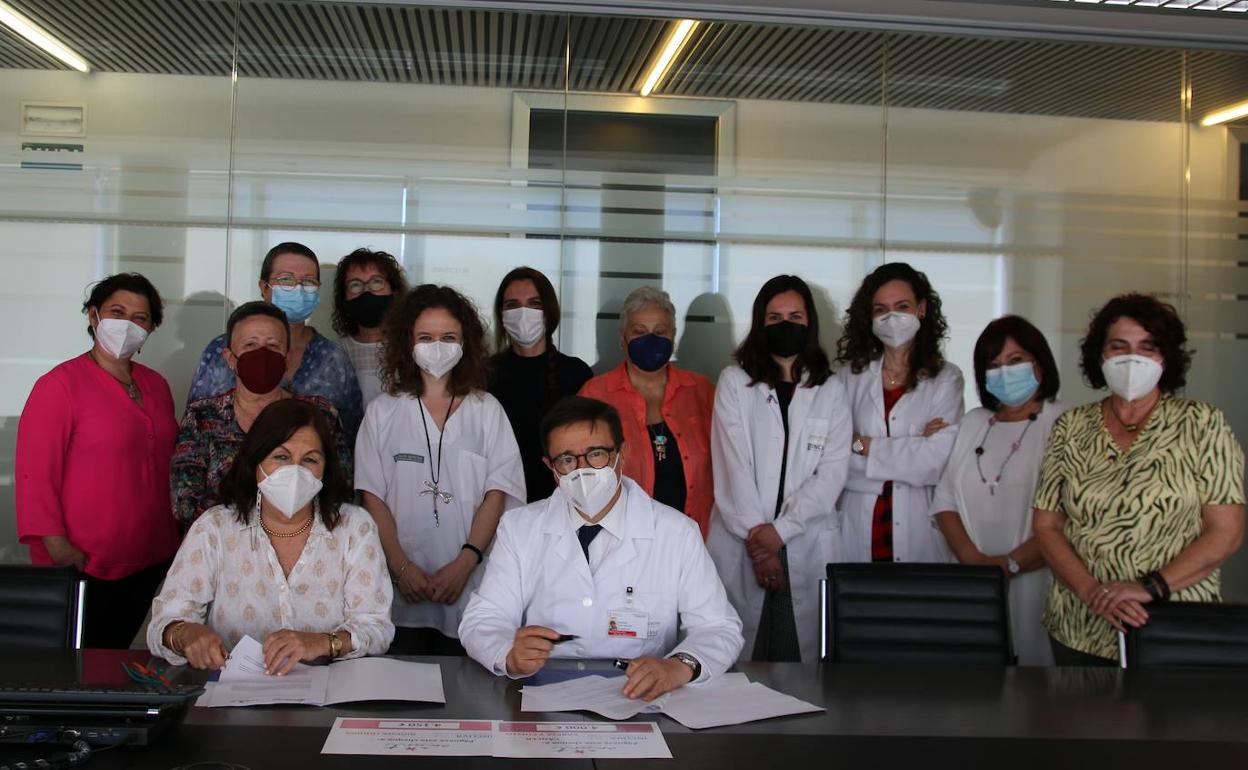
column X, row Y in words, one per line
column 175, row 630
column 1156, row 586
column 335, row 645
column 399, row 576
column 477, row 551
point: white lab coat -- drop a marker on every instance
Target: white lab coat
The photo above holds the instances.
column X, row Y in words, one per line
column 538, row 575
column 479, row 454
column 902, row 455
column 747, row 444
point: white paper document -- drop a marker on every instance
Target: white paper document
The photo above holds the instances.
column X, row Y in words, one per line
column 728, row 700
column 244, row 683
column 460, row 738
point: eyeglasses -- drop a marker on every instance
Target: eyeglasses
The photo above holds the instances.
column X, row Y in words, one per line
column 290, row 282
column 596, row 457
column 375, row 284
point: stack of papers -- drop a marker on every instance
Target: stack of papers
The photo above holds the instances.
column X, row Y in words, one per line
column 728, row 700
column 244, row 683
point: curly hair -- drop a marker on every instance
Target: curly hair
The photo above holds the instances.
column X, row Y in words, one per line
column 1158, row 318
column 755, row 358
column 385, row 263
column 858, row 345
column 399, row 372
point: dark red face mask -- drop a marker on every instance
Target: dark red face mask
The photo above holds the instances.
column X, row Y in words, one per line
column 261, row 370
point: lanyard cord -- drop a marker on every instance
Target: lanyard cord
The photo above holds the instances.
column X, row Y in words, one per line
column 435, row 475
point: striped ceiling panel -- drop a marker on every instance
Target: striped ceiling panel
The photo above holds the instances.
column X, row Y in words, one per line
column 480, row 47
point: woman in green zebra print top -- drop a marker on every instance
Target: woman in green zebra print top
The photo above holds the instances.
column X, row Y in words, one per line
column 1141, row 495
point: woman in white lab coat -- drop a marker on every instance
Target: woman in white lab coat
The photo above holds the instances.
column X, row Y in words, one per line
column 906, row 401
column 438, row 464
column 780, row 449
column 983, row 503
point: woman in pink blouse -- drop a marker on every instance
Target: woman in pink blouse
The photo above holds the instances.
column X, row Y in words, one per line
column 94, row 444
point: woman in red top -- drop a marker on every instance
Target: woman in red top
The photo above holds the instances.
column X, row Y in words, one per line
column 666, row 411
column 94, row 444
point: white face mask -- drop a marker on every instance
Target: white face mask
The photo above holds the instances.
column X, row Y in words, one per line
column 525, row 325
column 895, row 329
column 1131, row 377
column 120, row 338
column 437, row 358
column 590, row 489
column 289, row 488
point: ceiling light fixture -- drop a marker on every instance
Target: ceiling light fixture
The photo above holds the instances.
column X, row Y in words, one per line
column 1234, row 112
column 675, row 42
column 23, row 26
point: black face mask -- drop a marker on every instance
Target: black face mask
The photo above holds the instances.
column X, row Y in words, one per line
column 368, row 309
column 786, row 338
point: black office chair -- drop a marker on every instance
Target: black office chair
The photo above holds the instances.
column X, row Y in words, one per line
column 1189, row 635
column 41, row 607
column 915, row 613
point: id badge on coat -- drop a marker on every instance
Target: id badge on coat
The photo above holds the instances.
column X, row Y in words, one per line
column 628, row 621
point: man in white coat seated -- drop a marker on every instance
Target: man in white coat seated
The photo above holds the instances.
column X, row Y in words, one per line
column 602, row 562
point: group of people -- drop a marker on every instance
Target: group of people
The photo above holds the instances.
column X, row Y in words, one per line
column 402, row 490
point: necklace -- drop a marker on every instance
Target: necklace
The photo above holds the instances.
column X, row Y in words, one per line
column 132, row 390
column 1133, row 426
column 979, row 452
column 658, row 433
column 303, row 528
column 890, row 381
column 431, row 483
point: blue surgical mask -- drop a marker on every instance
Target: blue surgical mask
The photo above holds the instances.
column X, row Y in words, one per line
column 1012, row 385
column 297, row 302
column 650, row 352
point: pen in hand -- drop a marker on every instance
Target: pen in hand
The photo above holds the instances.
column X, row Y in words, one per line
column 564, row 638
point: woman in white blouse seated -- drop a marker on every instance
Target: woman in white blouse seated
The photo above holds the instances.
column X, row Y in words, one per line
column 285, row 560
column 983, row 502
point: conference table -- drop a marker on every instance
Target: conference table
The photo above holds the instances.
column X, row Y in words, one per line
column 875, row 717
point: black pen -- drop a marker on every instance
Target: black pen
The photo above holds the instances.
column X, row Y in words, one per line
column 564, row 638
column 622, row 663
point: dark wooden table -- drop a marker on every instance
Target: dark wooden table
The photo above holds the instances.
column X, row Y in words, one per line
column 885, row 717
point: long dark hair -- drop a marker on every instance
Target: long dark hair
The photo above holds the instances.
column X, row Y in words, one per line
column 755, row 358
column 550, row 313
column 399, row 372
column 858, row 345
column 275, row 424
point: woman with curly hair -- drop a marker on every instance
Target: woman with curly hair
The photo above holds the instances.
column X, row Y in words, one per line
column 437, row 464
column 906, row 401
column 1141, row 494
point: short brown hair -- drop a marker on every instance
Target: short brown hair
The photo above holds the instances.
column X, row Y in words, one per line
column 275, row 424
column 1158, row 318
column 399, row 372
column 574, row 409
column 1029, row 338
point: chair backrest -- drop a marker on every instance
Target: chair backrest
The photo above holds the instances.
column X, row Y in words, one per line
column 1190, row 634
column 916, row 613
column 41, row 607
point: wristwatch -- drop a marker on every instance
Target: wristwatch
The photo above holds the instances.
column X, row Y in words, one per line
column 858, row 447
column 1011, row 565
column 689, row 661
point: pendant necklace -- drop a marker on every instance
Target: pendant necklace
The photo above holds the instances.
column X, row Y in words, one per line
column 979, row 452
column 659, row 435
column 431, row 483
column 132, row 390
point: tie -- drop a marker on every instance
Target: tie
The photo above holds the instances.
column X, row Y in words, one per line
column 586, row 534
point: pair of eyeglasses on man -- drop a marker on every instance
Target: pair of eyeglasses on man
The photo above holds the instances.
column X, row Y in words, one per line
column 374, row 284
column 596, row 457
column 290, row 282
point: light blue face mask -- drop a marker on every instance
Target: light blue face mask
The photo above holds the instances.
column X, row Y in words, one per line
column 1012, row 385
column 297, row 302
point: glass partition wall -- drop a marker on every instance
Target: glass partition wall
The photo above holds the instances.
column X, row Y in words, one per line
column 1024, row 176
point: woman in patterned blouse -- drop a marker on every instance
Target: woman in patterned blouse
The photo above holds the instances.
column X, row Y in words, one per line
column 1141, row 495
column 285, row 560
column 212, row 428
